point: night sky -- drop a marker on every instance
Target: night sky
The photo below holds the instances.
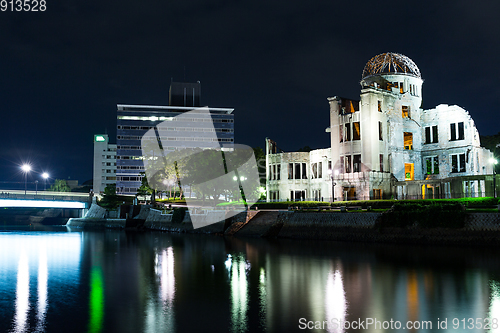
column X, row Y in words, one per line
column 275, row 62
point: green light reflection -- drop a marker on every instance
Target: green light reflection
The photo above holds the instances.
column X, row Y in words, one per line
column 96, row 304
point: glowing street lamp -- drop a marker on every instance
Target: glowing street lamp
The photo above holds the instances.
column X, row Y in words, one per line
column 45, row 176
column 26, row 168
column 494, row 162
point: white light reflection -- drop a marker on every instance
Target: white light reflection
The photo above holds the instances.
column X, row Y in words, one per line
column 495, row 305
column 22, row 253
column 262, row 297
column 336, row 304
column 160, row 317
column 167, row 276
column 237, row 268
column 22, row 294
column 42, row 287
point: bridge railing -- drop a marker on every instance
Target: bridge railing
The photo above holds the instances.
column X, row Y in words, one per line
column 53, row 197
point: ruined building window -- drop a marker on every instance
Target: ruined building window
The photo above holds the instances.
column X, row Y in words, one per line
column 432, row 165
column 342, row 168
column 356, row 135
column 329, row 165
column 304, row 171
column 315, row 170
column 270, row 172
column 274, row 172
column 405, row 111
column 377, row 194
column 458, row 163
column 431, row 134
column 290, row 170
column 297, row 170
column 435, row 138
column 278, row 172
column 409, row 172
column 381, row 162
column 461, row 131
column 457, row 131
column 408, row 140
column 401, row 87
column 356, row 163
column 380, row 137
column 348, row 159
column 320, row 170
column 379, row 106
column 347, row 132
column 341, row 133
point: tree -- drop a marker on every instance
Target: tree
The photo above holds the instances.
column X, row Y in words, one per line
column 145, row 189
column 110, row 199
column 260, row 158
column 60, row 185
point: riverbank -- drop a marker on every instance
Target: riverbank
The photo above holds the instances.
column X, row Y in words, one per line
column 481, row 229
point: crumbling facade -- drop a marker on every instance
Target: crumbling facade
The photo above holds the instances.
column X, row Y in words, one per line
column 385, row 145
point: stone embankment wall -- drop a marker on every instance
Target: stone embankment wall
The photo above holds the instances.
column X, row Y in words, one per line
column 481, row 228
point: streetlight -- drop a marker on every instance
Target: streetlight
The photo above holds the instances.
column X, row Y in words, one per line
column 45, row 176
column 26, row 168
column 36, row 187
column 333, row 184
column 494, row 162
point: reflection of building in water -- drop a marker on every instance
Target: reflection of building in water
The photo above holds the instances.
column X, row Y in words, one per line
column 160, row 315
column 385, row 144
column 21, row 256
column 238, row 268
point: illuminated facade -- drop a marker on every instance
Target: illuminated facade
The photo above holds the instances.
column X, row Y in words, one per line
column 135, row 120
column 386, row 145
column 104, row 163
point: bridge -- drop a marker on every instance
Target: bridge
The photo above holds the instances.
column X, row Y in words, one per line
column 44, row 199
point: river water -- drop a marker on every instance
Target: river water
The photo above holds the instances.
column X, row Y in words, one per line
column 60, row 280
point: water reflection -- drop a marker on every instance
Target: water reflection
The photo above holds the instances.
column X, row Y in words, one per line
column 160, row 315
column 494, row 311
column 22, row 294
column 43, row 276
column 335, row 302
column 157, row 282
column 237, row 267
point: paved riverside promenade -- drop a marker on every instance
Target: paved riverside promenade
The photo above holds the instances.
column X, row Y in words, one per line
column 480, row 229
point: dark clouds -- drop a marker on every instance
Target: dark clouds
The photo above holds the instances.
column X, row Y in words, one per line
column 275, row 62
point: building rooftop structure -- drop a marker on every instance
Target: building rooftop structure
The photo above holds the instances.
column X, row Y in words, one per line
column 394, row 63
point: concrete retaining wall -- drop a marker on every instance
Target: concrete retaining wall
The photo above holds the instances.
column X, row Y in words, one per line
column 481, row 229
column 96, row 223
column 96, row 212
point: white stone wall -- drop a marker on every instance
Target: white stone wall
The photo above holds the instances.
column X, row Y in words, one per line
column 313, row 187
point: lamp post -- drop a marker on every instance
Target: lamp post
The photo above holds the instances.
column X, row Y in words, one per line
column 45, row 176
column 26, row 168
column 333, row 184
column 241, row 179
column 36, row 187
column 494, row 162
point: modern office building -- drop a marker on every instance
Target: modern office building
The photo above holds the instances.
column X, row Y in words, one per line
column 104, row 163
column 133, row 121
column 385, row 145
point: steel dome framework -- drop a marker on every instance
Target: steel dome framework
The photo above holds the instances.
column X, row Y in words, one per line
column 390, row 63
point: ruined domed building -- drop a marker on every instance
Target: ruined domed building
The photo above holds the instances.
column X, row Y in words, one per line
column 385, row 145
